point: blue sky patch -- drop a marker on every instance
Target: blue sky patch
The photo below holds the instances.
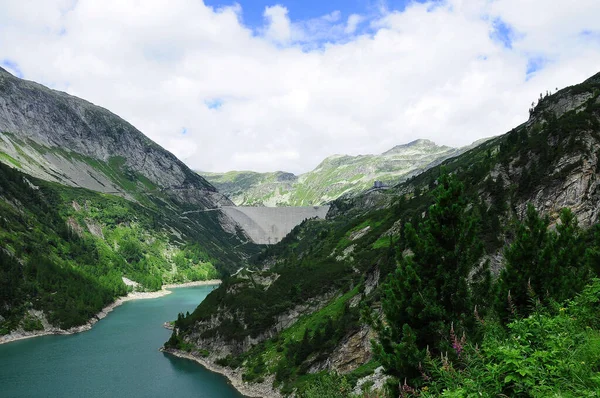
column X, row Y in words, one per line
column 535, row 64
column 214, row 103
column 302, row 10
column 13, row 67
column 503, row 33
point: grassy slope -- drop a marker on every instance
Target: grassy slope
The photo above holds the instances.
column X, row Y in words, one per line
column 334, row 177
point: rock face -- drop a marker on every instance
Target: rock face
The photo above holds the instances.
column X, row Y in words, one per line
column 564, row 172
column 353, row 351
column 336, row 176
column 551, row 161
column 58, row 137
column 218, row 347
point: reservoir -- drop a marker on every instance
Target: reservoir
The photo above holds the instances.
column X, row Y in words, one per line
column 118, row 357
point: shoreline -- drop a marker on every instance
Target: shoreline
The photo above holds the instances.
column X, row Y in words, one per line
column 258, row 390
column 52, row 330
column 190, row 284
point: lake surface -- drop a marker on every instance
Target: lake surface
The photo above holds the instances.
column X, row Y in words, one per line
column 119, row 357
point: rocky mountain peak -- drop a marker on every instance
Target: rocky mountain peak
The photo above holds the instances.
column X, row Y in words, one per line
column 421, row 145
column 594, row 79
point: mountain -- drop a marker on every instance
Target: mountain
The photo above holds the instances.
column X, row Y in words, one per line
column 61, row 138
column 302, row 310
column 334, row 177
column 87, row 203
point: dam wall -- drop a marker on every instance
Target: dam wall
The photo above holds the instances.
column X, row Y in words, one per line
column 269, row 225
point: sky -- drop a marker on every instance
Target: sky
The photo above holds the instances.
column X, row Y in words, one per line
column 280, row 85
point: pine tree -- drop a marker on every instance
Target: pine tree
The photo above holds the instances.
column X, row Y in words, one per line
column 542, row 263
column 429, row 289
column 568, row 271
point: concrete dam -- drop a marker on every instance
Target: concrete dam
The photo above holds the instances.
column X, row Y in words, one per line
column 269, row 225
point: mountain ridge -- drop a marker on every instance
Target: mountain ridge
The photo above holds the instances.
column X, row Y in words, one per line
column 335, row 176
column 58, row 137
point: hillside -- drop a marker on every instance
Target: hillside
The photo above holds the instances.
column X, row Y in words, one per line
column 312, row 303
column 334, row 177
column 57, row 137
column 86, row 199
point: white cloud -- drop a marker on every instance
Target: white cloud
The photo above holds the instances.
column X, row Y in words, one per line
column 353, row 21
column 279, row 27
column 285, row 96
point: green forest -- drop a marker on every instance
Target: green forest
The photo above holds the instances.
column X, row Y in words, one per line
column 450, row 330
column 65, row 250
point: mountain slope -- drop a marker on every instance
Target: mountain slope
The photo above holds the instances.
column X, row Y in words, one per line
column 249, row 188
column 300, row 314
column 58, row 137
column 100, row 202
column 335, row 176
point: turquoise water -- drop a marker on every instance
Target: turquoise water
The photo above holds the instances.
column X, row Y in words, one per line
column 118, row 357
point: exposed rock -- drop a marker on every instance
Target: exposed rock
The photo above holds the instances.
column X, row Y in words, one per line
column 372, row 280
column 129, row 282
column 360, row 233
column 58, row 137
column 567, row 103
column 94, row 228
column 263, row 389
column 76, row 206
column 265, row 280
column 346, row 254
column 74, row 226
column 219, row 348
column 353, row 351
column 372, row 382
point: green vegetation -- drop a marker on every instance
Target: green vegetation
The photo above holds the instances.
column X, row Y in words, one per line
column 44, row 264
column 419, row 275
column 7, row 158
column 429, row 289
column 65, row 250
column 554, row 352
column 428, row 305
column 555, row 263
column 333, row 177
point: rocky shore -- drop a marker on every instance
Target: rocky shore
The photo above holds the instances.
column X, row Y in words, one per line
column 49, row 329
column 252, row 390
column 190, row 284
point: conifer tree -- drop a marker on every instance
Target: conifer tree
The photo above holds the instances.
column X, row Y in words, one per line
column 429, row 289
column 542, row 263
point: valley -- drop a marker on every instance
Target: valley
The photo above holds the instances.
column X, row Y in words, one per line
column 350, row 292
